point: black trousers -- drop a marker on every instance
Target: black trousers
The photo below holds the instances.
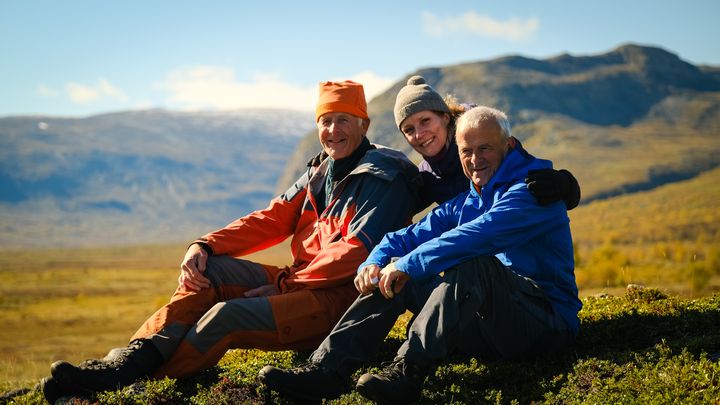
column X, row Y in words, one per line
column 480, row 308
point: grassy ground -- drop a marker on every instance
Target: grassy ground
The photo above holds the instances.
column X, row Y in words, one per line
column 642, row 347
column 76, row 304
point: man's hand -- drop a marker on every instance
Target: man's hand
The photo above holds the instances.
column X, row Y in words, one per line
column 262, row 291
column 192, row 267
column 367, row 279
column 392, row 280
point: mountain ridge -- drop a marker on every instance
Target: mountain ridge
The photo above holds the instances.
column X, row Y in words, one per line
column 627, row 120
column 600, row 105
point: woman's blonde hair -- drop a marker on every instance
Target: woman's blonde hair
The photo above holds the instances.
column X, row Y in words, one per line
column 456, row 110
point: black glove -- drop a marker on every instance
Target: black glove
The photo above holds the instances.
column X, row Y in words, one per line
column 548, row 186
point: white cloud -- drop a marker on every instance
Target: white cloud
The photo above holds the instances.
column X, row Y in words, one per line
column 43, row 90
column 107, row 89
column 81, row 93
column 471, row 23
column 216, row 87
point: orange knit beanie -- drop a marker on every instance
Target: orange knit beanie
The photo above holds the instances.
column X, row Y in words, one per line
column 346, row 96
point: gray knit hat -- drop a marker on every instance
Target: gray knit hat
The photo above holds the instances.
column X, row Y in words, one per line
column 416, row 96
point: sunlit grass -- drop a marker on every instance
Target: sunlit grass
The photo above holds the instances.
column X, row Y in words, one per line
column 668, row 237
column 639, row 347
column 75, row 304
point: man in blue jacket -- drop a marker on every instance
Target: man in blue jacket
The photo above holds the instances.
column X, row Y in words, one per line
column 507, row 287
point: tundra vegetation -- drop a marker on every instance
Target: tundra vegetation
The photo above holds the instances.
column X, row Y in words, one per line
column 658, row 344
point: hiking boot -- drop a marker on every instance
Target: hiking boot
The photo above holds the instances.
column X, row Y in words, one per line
column 137, row 360
column 52, row 391
column 400, row 382
column 311, row 382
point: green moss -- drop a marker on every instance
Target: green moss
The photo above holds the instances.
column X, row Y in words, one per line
column 643, row 347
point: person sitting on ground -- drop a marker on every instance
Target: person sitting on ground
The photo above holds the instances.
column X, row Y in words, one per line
column 489, row 274
column 351, row 195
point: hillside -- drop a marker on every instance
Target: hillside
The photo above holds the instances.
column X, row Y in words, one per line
column 613, row 119
column 668, row 236
column 628, row 120
column 138, row 177
column 56, row 303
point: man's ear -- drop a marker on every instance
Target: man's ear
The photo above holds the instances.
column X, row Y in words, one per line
column 366, row 125
column 510, row 144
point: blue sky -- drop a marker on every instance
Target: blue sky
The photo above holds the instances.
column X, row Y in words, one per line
column 78, row 58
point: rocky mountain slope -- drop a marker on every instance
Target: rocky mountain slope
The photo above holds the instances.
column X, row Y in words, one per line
column 629, row 119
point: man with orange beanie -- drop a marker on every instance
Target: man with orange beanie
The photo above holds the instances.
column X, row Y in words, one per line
column 352, row 193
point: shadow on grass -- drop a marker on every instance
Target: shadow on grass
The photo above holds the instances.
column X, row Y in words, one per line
column 615, row 331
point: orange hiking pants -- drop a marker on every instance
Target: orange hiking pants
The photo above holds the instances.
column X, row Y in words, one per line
column 195, row 329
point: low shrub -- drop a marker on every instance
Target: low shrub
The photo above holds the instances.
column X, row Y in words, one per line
column 642, row 347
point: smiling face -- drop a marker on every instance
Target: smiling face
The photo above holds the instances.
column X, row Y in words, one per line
column 426, row 131
column 481, row 149
column 341, row 133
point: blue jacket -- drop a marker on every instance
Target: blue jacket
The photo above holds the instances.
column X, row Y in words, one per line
column 504, row 220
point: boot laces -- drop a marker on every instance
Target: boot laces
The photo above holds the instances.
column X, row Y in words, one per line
column 308, row 367
column 115, row 362
column 400, row 369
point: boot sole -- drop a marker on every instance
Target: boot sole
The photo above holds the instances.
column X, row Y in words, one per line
column 66, row 376
column 265, row 380
column 365, row 388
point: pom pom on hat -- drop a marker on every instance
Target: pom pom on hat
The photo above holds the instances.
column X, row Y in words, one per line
column 417, row 96
column 346, row 96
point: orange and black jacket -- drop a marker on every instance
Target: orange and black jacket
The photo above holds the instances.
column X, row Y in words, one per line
column 378, row 196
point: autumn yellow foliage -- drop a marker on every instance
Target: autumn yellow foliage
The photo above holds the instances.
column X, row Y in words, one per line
column 668, row 237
